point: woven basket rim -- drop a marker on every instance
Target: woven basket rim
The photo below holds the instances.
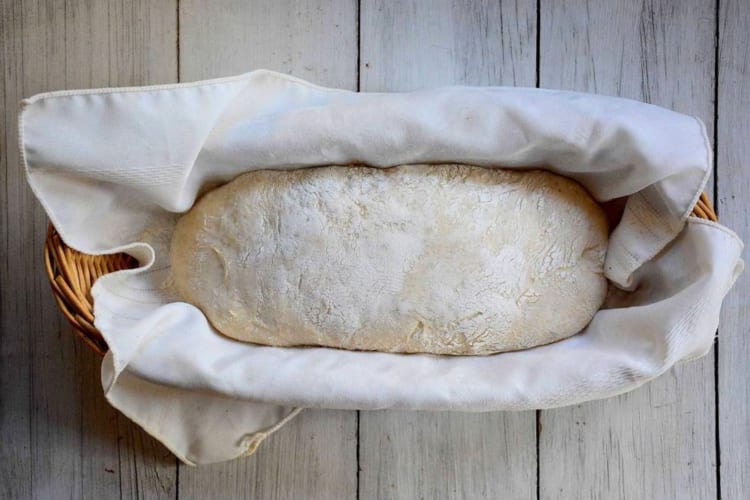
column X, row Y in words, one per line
column 72, row 273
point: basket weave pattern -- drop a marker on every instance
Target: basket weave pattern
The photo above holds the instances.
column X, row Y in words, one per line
column 72, row 273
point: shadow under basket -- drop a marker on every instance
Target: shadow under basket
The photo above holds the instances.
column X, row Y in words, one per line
column 72, row 273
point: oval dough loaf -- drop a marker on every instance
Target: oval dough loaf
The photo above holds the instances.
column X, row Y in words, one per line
column 444, row 259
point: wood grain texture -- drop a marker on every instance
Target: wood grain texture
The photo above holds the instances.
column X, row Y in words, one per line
column 410, row 454
column 408, row 45
column 147, row 469
column 15, row 310
column 314, row 455
column 314, row 40
column 733, row 186
column 412, row 44
column 60, row 437
column 59, row 458
column 658, row 441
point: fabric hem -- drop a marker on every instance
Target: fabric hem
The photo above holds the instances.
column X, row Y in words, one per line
column 254, row 439
column 175, row 86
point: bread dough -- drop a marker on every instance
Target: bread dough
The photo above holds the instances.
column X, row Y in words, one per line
column 444, row 259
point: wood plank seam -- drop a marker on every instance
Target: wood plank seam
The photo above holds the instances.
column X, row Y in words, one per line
column 538, row 413
column 359, row 87
column 716, row 353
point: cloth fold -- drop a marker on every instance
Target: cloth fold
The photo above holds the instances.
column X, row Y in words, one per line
column 114, row 167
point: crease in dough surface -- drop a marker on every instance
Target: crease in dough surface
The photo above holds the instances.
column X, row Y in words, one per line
column 443, row 259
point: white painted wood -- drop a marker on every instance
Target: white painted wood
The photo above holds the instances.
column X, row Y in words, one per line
column 59, row 436
column 733, row 183
column 315, row 40
column 659, row 441
column 409, row 45
column 314, row 455
column 412, row 44
column 410, row 454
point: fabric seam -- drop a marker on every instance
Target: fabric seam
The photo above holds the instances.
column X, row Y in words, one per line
column 176, row 86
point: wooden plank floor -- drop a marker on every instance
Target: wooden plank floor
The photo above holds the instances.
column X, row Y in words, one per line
column 687, row 435
column 659, row 441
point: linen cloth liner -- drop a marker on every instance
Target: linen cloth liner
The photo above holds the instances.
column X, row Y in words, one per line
column 111, row 167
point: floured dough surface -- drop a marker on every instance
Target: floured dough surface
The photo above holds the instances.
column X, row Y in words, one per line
column 444, row 259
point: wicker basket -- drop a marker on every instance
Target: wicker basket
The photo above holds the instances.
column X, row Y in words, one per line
column 72, row 273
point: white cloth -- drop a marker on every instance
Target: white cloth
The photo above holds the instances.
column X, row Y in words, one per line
column 112, row 167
